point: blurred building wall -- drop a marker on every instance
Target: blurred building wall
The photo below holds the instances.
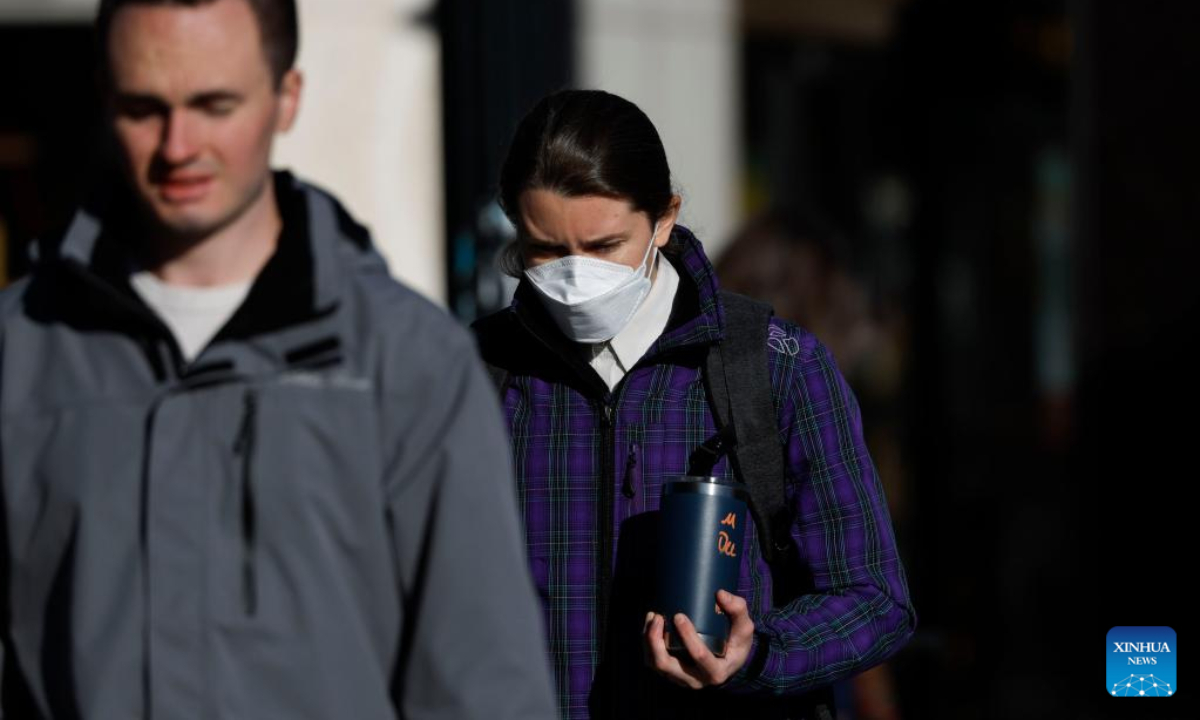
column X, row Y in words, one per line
column 370, row 126
column 679, row 61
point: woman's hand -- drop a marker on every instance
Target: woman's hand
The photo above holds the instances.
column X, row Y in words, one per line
column 705, row 669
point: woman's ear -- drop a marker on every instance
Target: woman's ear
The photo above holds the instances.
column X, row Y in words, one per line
column 666, row 224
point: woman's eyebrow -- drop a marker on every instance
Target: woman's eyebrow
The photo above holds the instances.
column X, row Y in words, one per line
column 540, row 242
column 592, row 244
column 600, row 241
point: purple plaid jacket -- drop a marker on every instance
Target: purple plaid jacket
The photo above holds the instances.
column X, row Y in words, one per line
column 590, row 465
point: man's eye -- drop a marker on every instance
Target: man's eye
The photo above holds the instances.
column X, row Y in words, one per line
column 219, row 108
column 138, row 110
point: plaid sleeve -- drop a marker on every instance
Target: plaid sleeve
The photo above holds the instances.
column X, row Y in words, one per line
column 860, row 612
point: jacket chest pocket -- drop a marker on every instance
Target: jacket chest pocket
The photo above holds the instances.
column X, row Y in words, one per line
column 307, row 456
column 301, row 488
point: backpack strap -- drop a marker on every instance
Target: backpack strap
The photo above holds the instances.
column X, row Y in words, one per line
column 739, row 385
column 738, row 377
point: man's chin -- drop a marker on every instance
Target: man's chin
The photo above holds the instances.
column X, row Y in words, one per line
column 191, row 230
column 192, row 225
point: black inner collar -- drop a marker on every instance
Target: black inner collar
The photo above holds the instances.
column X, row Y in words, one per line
column 282, row 295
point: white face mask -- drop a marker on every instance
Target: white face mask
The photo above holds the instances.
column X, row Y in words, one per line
column 591, row 300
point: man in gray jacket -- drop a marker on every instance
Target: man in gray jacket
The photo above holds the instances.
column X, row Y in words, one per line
column 245, row 474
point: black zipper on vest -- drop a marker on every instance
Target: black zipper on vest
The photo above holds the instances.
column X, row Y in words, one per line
column 607, row 481
column 244, row 448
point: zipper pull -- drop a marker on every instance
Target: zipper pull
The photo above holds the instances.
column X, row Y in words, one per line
column 630, row 463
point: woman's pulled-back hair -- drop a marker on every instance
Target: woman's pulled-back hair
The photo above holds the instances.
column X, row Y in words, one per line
column 585, row 142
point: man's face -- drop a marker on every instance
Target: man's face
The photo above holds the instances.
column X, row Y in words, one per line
column 195, row 109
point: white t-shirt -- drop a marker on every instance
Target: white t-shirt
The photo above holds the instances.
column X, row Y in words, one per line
column 612, row 359
column 194, row 314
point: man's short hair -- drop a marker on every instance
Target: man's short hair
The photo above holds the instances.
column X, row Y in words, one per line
column 277, row 24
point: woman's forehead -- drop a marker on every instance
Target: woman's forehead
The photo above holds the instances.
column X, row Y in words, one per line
column 548, row 215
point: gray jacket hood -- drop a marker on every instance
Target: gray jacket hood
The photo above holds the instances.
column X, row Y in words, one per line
column 320, row 248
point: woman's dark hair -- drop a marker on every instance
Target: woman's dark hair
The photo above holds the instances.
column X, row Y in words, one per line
column 585, row 142
column 277, row 26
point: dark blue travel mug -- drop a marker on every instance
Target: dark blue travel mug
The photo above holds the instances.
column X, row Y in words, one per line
column 701, row 532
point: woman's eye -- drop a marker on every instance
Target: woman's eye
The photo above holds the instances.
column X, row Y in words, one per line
column 538, row 252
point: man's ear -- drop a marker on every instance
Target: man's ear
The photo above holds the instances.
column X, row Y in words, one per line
column 289, row 99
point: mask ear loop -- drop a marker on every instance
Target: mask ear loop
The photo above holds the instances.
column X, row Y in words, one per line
column 645, row 273
column 649, row 271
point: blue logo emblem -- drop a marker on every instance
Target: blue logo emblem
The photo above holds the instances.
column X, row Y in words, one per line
column 1140, row 661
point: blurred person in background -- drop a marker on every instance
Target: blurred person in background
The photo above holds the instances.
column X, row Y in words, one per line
column 790, row 260
column 600, row 362
column 245, row 473
column 798, row 263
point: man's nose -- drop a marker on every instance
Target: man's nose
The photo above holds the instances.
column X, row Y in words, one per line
column 179, row 140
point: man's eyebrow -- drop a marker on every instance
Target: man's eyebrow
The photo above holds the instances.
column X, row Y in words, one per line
column 129, row 98
column 212, row 96
column 201, row 98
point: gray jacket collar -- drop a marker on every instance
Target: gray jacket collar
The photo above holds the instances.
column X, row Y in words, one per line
column 292, row 301
column 319, row 238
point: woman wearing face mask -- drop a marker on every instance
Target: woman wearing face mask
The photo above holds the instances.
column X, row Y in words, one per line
column 600, row 361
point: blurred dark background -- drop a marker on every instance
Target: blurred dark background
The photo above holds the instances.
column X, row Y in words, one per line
column 990, row 210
